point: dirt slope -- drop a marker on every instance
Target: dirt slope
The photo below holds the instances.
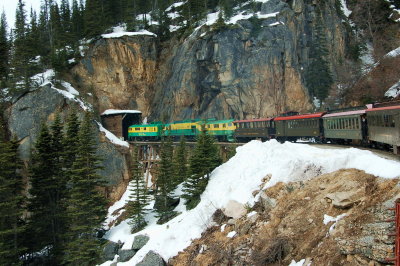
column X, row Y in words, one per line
column 289, row 225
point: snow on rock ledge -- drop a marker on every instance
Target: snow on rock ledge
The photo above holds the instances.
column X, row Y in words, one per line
column 127, row 33
column 111, row 137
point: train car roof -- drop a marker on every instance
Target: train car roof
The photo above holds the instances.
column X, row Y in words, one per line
column 253, row 120
column 305, row 116
column 220, row 121
column 355, row 112
column 384, row 108
column 146, row 125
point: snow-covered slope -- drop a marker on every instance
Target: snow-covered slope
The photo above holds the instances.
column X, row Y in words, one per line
column 238, row 178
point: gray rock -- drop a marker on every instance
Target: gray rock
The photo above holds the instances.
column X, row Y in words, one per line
column 125, row 254
column 110, row 249
column 26, row 116
column 273, row 6
column 152, row 259
column 139, row 241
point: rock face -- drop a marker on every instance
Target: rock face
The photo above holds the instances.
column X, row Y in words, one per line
column 121, row 72
column 26, row 116
column 240, row 71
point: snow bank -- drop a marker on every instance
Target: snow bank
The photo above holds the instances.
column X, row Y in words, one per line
column 114, row 139
column 238, row 178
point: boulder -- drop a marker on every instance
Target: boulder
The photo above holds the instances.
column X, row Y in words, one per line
column 139, row 242
column 219, row 217
column 125, row 254
column 110, row 249
column 152, row 259
column 234, row 209
column 267, row 203
column 345, row 199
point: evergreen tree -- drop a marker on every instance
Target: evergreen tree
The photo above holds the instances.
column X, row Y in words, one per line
column 71, row 141
column 227, row 7
column 136, row 207
column 4, row 53
column 318, row 75
column 204, row 159
column 180, row 163
column 11, row 204
column 93, row 18
column 86, row 206
column 21, row 56
column 66, row 25
column 164, row 184
column 77, row 24
column 42, row 224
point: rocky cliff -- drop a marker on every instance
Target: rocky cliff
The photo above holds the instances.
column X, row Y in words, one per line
column 26, row 116
column 252, row 68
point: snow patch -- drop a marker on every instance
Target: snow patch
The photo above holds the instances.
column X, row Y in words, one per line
column 175, row 5
column 110, row 136
column 393, row 91
column 394, row 53
column 300, row 263
column 231, row 234
column 345, row 10
column 47, row 77
column 328, row 219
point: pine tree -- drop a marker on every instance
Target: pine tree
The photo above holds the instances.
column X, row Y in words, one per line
column 180, row 163
column 318, row 75
column 71, row 141
column 4, row 53
column 93, row 18
column 66, row 24
column 86, row 206
column 227, row 7
column 43, row 191
column 21, row 56
column 136, row 207
column 164, row 184
column 204, row 159
column 11, row 204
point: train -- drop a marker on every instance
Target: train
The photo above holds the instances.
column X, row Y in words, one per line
column 376, row 125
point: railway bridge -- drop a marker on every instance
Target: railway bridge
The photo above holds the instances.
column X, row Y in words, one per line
column 149, row 155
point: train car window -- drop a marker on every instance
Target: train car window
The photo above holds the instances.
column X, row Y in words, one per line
column 137, row 129
column 230, row 124
column 223, row 125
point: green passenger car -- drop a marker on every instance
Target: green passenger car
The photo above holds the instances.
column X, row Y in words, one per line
column 262, row 128
column 384, row 126
column 151, row 131
column 345, row 127
column 295, row 127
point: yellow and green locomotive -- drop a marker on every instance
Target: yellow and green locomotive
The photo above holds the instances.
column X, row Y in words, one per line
column 223, row 130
